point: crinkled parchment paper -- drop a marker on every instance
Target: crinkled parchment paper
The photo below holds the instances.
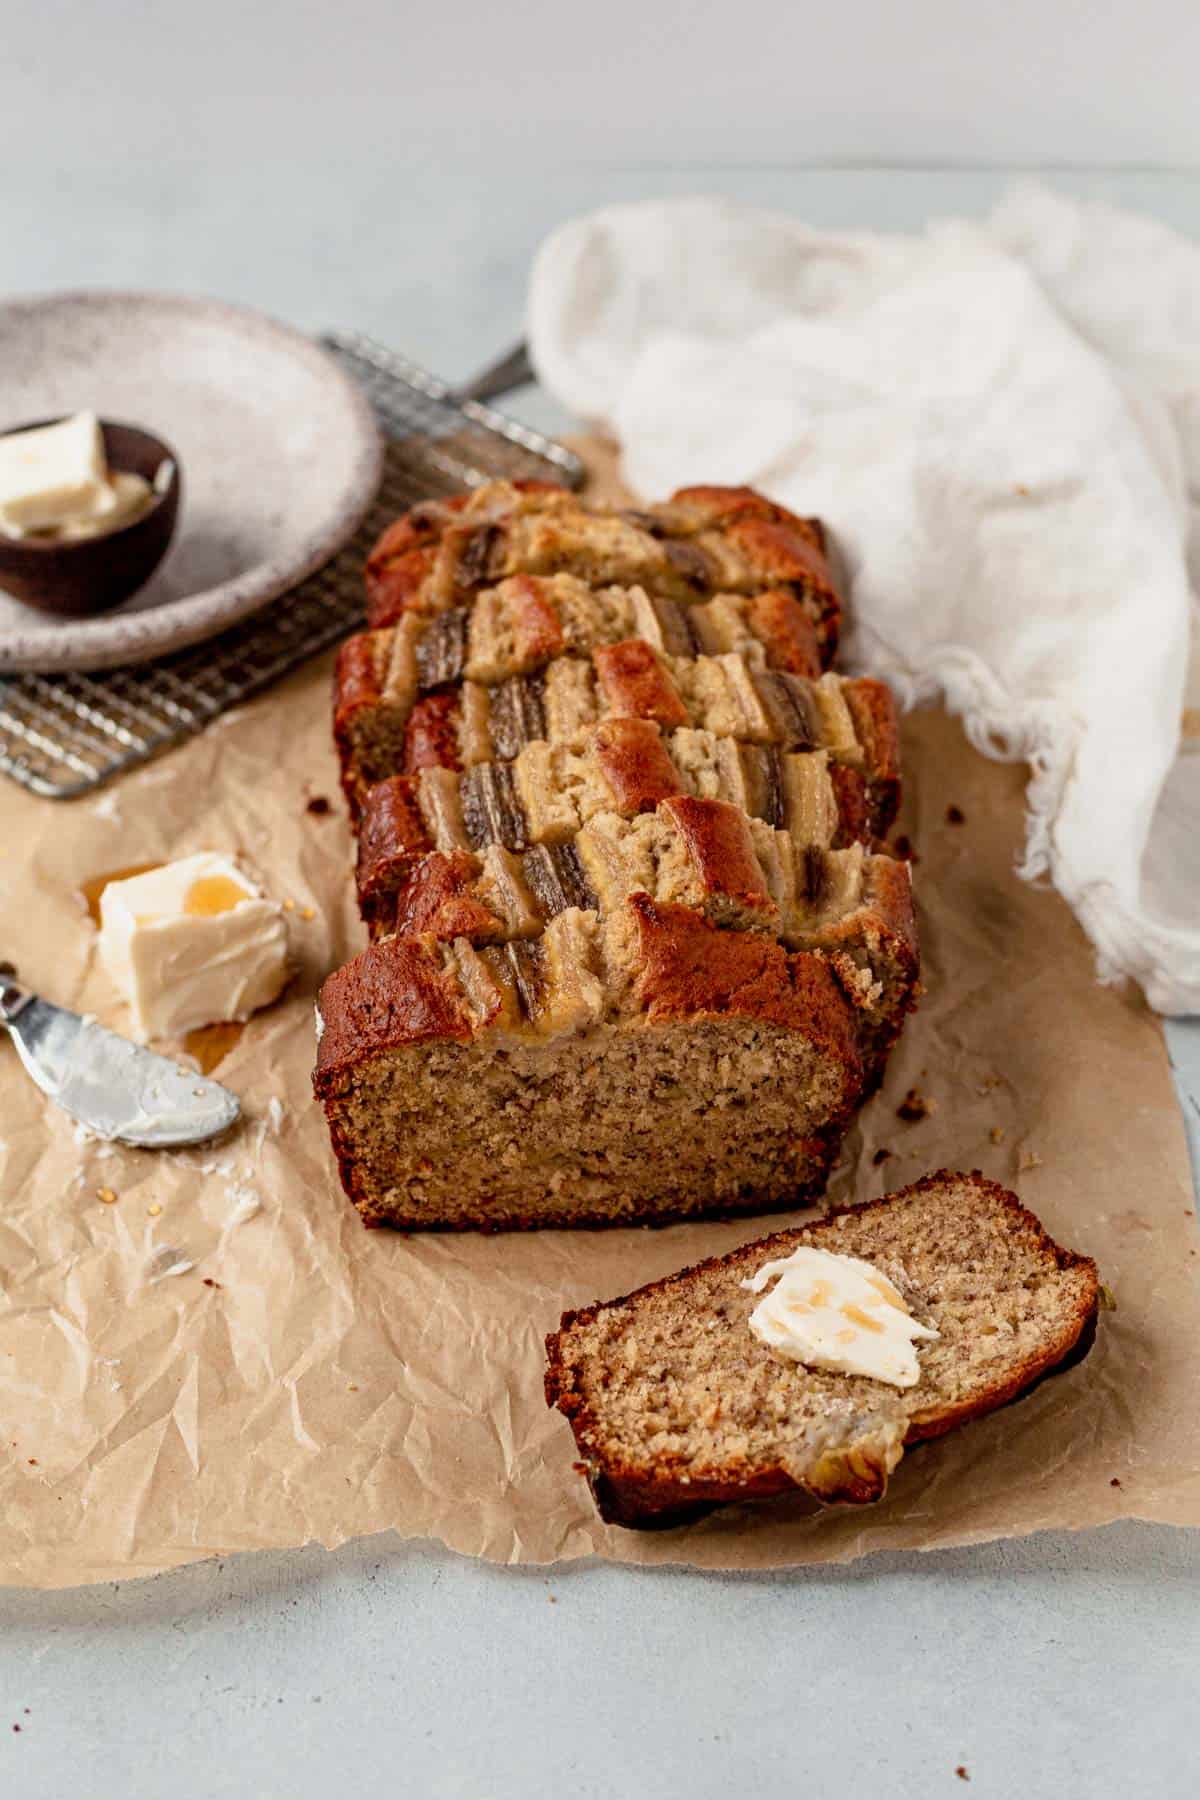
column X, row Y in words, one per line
column 224, row 1359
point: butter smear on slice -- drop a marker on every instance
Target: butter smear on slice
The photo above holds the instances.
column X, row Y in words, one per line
column 837, row 1313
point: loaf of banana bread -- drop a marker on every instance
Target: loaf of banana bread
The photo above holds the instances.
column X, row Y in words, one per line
column 678, row 1406
column 635, row 954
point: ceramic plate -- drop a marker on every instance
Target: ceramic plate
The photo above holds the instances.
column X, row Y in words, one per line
column 279, row 451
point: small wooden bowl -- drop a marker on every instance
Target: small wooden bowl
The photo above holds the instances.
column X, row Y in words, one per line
column 94, row 574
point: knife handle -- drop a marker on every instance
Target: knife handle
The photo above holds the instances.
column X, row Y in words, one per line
column 13, row 997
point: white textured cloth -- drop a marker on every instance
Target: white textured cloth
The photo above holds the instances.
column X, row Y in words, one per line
column 1001, row 423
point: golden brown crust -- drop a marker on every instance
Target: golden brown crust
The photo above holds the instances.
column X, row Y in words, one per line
column 422, row 525
column 357, row 678
column 431, row 734
column 685, row 969
column 708, row 865
column 702, row 508
column 441, row 554
column 788, row 549
column 718, row 842
column 636, row 685
column 786, row 631
column 392, row 836
column 633, row 760
column 872, row 708
column 397, row 992
column 536, row 624
column 437, row 898
column 665, row 1497
column 857, row 823
column 704, row 505
column 881, row 936
column 782, row 549
column 403, row 558
column 395, row 584
column 689, row 969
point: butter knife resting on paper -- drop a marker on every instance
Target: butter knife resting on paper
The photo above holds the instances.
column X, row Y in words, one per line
column 110, row 1086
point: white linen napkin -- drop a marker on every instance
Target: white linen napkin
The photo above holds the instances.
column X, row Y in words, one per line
column 1001, row 423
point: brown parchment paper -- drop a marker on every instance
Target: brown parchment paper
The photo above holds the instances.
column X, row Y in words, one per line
column 298, row 1378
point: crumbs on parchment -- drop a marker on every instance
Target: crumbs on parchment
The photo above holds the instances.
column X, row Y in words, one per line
column 915, row 1105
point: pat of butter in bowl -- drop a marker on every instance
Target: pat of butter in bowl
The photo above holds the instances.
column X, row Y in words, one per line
column 56, row 487
column 192, row 943
column 837, row 1313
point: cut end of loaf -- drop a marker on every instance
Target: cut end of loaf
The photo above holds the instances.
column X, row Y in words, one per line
column 676, row 1407
column 614, row 1127
column 649, row 1069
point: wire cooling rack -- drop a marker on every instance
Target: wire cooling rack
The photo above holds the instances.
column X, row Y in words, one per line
column 64, row 735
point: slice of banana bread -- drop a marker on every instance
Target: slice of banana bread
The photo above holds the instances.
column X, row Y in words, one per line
column 636, row 1069
column 703, row 541
column 553, row 802
column 397, row 710
column 677, row 1406
column 386, row 724
column 702, row 854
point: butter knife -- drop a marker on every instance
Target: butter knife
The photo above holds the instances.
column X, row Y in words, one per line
column 114, row 1088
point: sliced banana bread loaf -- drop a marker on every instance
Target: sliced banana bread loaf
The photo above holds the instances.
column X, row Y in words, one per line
column 644, row 1067
column 677, row 1405
column 634, row 958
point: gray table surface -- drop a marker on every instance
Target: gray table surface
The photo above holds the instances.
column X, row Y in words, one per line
column 1055, row 1665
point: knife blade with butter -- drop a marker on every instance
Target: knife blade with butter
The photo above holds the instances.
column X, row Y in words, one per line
column 112, row 1087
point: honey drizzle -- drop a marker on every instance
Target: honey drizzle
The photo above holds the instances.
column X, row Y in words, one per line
column 211, row 1044
column 96, row 884
column 213, row 894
